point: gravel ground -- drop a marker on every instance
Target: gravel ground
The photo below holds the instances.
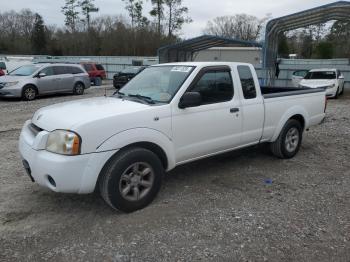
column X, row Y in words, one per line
column 217, row 209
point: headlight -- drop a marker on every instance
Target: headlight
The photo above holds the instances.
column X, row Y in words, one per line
column 8, row 84
column 63, row 142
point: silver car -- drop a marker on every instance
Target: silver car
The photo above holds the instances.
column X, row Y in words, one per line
column 30, row 81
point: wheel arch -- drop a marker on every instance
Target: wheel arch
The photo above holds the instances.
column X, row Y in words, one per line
column 32, row 85
column 297, row 113
column 154, row 148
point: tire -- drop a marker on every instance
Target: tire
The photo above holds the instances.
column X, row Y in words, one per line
column 97, row 81
column 29, row 93
column 131, row 180
column 292, row 131
column 78, row 89
column 342, row 91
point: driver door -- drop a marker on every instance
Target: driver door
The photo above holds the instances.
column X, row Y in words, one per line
column 47, row 83
column 216, row 124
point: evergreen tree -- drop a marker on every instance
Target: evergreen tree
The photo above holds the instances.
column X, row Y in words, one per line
column 38, row 37
column 87, row 7
column 158, row 13
column 176, row 16
column 71, row 14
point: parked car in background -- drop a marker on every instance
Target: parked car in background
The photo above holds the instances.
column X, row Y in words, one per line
column 30, row 81
column 331, row 79
column 121, row 78
column 2, row 72
column 96, row 72
column 297, row 76
column 168, row 115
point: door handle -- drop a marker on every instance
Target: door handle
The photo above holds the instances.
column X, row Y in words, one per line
column 234, row 110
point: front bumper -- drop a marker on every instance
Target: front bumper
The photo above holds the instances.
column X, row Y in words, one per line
column 331, row 92
column 11, row 92
column 60, row 173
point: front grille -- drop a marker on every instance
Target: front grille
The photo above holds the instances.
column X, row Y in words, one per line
column 34, row 129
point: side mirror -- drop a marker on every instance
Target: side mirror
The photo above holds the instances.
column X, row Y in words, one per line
column 41, row 75
column 190, row 99
column 341, row 77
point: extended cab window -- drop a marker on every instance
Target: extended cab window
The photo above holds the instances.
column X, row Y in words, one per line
column 247, row 82
column 215, row 86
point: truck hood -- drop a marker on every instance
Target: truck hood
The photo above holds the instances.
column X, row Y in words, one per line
column 70, row 114
column 317, row 83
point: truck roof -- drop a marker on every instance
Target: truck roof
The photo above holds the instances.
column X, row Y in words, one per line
column 203, row 64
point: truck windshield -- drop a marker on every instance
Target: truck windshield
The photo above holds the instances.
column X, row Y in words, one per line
column 321, row 75
column 25, row 70
column 159, row 83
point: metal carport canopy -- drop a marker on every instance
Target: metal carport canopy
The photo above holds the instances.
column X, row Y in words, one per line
column 334, row 11
column 183, row 51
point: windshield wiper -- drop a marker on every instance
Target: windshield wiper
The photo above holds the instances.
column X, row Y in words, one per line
column 148, row 99
column 119, row 93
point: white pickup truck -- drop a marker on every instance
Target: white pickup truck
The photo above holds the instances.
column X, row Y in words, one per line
column 168, row 115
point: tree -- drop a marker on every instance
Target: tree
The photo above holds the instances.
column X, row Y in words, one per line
column 306, row 45
column 158, row 12
column 177, row 16
column 324, row 50
column 87, row 7
column 283, row 48
column 134, row 8
column 38, row 37
column 71, row 14
column 339, row 36
column 239, row 26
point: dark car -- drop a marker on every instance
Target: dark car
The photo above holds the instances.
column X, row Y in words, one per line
column 96, row 72
column 121, row 78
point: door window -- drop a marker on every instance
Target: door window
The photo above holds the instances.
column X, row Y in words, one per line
column 61, row 70
column 48, row 71
column 74, row 70
column 247, row 82
column 99, row 67
column 214, row 86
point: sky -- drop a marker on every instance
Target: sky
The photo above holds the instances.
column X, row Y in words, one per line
column 199, row 10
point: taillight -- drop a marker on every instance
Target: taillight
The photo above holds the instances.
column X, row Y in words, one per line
column 325, row 104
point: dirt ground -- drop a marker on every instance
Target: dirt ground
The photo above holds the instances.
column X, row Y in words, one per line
column 218, row 209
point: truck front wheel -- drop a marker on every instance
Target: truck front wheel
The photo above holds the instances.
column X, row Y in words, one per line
column 131, row 180
column 288, row 142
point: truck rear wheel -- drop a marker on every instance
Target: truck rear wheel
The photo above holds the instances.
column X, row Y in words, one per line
column 288, row 142
column 131, row 180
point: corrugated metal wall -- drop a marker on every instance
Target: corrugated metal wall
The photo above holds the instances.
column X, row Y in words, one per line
column 288, row 66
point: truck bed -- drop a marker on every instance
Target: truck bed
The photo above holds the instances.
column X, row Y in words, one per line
column 272, row 92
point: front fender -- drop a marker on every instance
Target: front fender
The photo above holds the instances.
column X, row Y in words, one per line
column 295, row 110
column 137, row 135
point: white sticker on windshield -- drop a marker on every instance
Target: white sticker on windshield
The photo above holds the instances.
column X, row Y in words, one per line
column 184, row 69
